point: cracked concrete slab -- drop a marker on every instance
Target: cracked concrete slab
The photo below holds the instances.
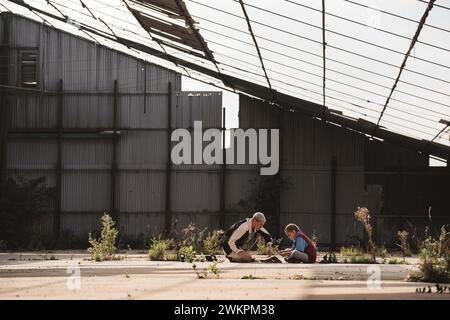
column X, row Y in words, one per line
column 70, row 275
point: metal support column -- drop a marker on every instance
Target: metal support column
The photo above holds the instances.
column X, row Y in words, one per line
column 277, row 225
column 223, row 176
column 4, row 97
column 59, row 165
column 333, row 203
column 113, row 195
column 168, row 212
column 400, row 194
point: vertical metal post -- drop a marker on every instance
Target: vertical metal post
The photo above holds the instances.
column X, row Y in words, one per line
column 4, row 119
column 59, row 165
column 333, row 203
column 168, row 212
column 145, row 88
column 113, row 195
column 324, row 46
column 277, row 224
column 223, row 176
column 400, row 197
column 4, row 97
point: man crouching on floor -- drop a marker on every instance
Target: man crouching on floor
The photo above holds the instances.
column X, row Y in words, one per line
column 302, row 250
column 243, row 235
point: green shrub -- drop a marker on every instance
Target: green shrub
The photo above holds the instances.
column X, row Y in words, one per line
column 263, row 248
column 355, row 255
column 105, row 247
column 186, row 254
column 212, row 243
column 193, row 236
column 434, row 259
column 351, row 251
column 361, row 259
column 158, row 249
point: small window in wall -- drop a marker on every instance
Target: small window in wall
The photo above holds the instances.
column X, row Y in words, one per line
column 28, row 68
column 437, row 162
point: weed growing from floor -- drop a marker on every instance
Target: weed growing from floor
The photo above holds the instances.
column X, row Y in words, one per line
column 384, row 254
column 158, row 249
column 434, row 259
column 193, row 236
column 214, row 269
column 203, row 273
column 403, row 237
column 212, row 243
column 105, row 247
column 187, row 254
column 350, row 252
column 251, row 277
column 297, row 277
column 354, row 255
column 263, row 248
column 397, row 261
column 362, row 259
column 363, row 216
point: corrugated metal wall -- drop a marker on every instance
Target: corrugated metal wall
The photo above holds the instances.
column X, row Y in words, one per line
column 195, row 191
column 393, row 182
column 26, row 158
column 403, row 189
column 83, row 65
column 87, row 102
column 367, row 173
column 307, row 148
column 141, row 161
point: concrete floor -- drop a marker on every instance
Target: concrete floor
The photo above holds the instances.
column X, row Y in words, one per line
column 72, row 276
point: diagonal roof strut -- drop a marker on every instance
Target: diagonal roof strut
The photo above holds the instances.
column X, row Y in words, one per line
column 257, row 49
column 411, row 46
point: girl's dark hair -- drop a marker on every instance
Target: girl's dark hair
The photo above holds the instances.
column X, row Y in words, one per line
column 291, row 227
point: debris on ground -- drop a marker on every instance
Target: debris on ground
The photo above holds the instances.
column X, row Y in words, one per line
column 272, row 259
